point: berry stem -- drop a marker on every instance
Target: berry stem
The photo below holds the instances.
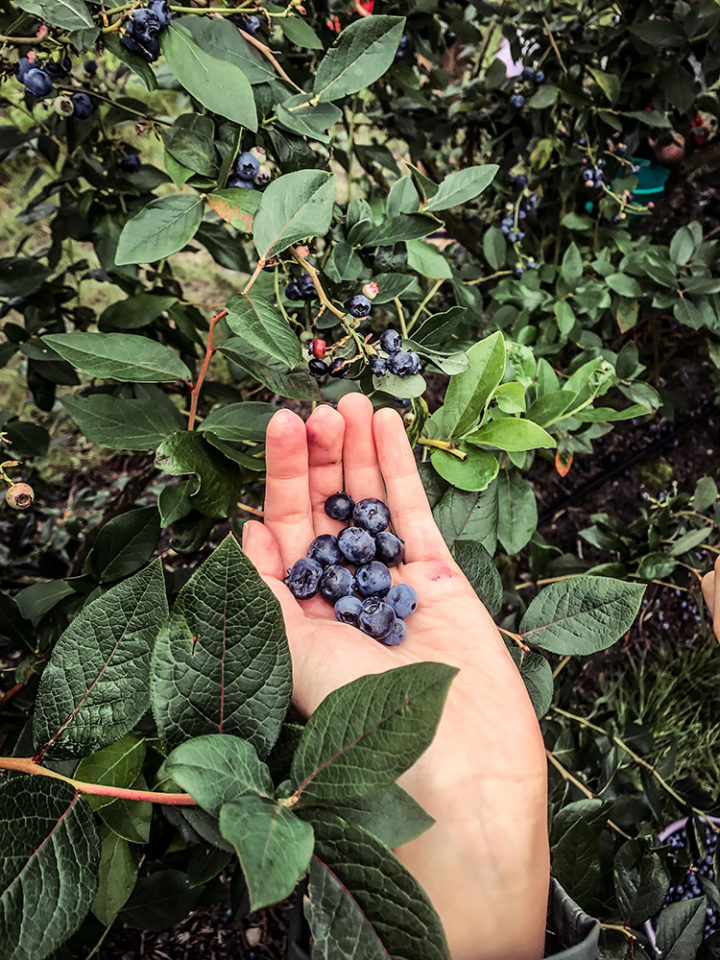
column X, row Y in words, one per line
column 195, row 394
column 268, row 54
column 253, row 510
column 554, row 45
column 401, row 317
column 416, row 316
column 28, row 765
column 444, row 445
column 313, row 274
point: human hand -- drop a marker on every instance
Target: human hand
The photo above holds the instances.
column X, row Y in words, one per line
column 711, row 592
column 484, row 863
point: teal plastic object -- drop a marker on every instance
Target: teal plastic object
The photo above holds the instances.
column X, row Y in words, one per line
column 651, row 182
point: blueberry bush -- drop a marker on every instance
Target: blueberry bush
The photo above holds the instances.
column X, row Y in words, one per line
column 457, row 209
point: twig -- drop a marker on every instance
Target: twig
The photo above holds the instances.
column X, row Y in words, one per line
column 516, row 638
column 443, row 445
column 639, row 760
column 401, row 317
column 436, row 286
column 195, row 394
column 554, row 45
column 268, row 54
column 253, row 510
column 561, row 666
column 313, row 274
column 490, row 276
column 567, row 776
column 617, row 926
column 13, row 691
column 28, row 765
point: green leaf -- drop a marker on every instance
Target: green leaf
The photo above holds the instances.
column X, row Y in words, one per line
column 544, row 97
column 120, row 356
column 362, row 53
column 363, row 903
column 301, row 34
column 368, row 732
column 409, row 227
column 222, row 663
column 468, row 392
column 582, row 615
column 494, row 247
column 390, row 814
column 682, row 246
column 706, row 493
column 240, row 422
column 427, row 260
column 468, row 515
column 67, row 14
column 511, row 433
column 624, row 285
column 141, row 68
column 437, row 332
column 571, row 268
column 691, row 540
column 680, row 927
column 218, row 769
column 20, row 276
column 295, row 384
column 136, row 311
column 609, row 83
column 274, row 846
column 510, row 397
column 161, row 228
column 218, row 84
column 124, row 544
column 641, row 881
column 215, row 480
column 222, row 40
column 306, row 119
column 461, row 186
column 517, row 511
column 255, row 319
column 293, row 207
column 121, row 424
column 477, row 565
column 159, row 901
column 95, row 687
column 116, row 766
column 117, row 874
column 190, row 140
column 129, row 819
column 48, row 865
column 576, row 862
column 476, row 472
column 537, row 676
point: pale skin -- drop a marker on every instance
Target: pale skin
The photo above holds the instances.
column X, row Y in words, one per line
column 485, row 862
column 711, row 592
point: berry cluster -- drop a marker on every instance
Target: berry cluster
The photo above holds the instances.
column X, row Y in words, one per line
column 39, row 82
column 515, row 214
column 594, row 177
column 690, row 886
column 517, row 100
column 402, row 363
column 248, row 172
column 142, row 31
column 369, row 547
column 301, row 289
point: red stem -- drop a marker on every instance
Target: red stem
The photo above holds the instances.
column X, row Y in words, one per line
column 195, row 395
column 7, row 697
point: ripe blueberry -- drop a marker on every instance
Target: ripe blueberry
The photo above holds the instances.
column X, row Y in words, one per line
column 389, row 548
column 404, row 363
column 359, row 306
column 247, row 166
column 318, row 369
column 378, row 366
column 373, row 579
column 90, row 67
column 130, row 163
column 403, row 48
column 372, row 515
column 161, row 9
column 292, row 292
column 528, row 73
column 59, row 69
column 539, row 76
column 20, row 496
column 517, row 101
column 325, row 550
column 588, row 174
column 336, row 581
column 37, row 82
column 396, row 635
column 338, row 368
column 403, row 599
column 306, row 285
column 303, row 578
column 82, row 105
column 239, row 183
column 390, row 341
column 251, row 25
column 356, row 545
column 339, row 506
column 348, row 610
column 24, row 64
column 141, row 34
column 377, row 618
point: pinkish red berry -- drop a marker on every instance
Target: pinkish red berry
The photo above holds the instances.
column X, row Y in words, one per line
column 20, row 496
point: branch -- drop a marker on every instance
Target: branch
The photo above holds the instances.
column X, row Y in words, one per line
column 195, row 394
column 28, row 765
column 569, row 778
column 268, row 54
column 313, row 274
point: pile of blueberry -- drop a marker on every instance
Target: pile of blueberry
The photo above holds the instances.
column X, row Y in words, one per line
column 690, row 887
column 402, row 363
column 369, row 547
column 248, row 172
column 142, row 31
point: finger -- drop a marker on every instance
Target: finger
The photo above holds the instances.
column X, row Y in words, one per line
column 287, row 494
column 262, row 549
column 325, row 432
column 411, row 515
column 362, row 471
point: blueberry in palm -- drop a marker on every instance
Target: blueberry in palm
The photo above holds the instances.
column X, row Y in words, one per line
column 348, row 610
column 356, row 545
column 377, row 618
column 339, row 506
column 389, row 548
column 336, row 581
column 303, row 578
column 371, row 514
column 396, row 635
column 373, row 579
column 403, row 599
column 325, row 549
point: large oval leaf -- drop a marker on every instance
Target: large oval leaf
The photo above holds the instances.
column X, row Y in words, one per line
column 461, row 186
column 47, row 868
column 219, row 85
column 255, row 319
column 95, row 687
column 161, row 228
column 120, row 356
column 293, row 207
column 68, row 14
column 360, row 56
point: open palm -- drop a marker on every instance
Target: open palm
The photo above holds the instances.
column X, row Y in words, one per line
column 488, row 745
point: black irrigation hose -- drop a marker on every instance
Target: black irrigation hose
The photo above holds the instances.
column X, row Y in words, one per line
column 700, row 414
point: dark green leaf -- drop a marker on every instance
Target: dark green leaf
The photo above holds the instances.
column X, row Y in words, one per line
column 680, row 929
column 300, row 33
column 576, row 862
column 136, row 311
column 240, row 422
column 20, row 276
column 571, row 268
column 468, row 392
column 537, row 676
column 116, row 766
column 159, row 901
column 462, row 185
column 517, row 511
column 161, row 228
column 641, row 881
column 222, row 664
column 308, row 120
column 361, row 54
column 390, row 814
column 215, row 480
column 468, row 515
column 295, row 206
column 476, row 472
column 117, row 874
column 295, row 384
column 255, row 320
column 122, row 424
column 221, row 39
column 68, row 14
column 120, row 356
column 125, row 544
column 190, row 141
column 477, row 565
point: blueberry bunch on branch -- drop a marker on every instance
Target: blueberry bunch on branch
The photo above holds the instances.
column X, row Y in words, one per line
column 141, row 34
column 351, row 571
column 691, row 885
